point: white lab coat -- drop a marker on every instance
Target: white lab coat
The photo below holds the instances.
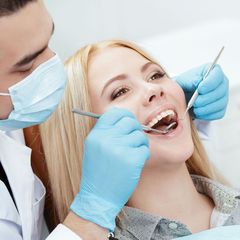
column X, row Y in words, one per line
column 26, row 223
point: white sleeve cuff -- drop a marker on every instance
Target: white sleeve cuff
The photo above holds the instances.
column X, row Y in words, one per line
column 62, row 232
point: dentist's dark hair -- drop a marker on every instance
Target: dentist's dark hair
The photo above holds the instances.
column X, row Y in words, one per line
column 9, row 7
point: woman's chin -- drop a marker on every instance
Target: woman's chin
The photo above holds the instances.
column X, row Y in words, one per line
column 175, row 157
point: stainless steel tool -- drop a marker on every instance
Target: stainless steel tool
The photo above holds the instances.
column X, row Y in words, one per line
column 195, row 94
column 146, row 128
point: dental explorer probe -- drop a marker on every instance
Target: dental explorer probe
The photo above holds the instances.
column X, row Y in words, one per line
column 146, row 128
column 195, row 94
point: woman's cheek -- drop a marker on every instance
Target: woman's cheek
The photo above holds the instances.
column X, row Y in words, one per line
column 178, row 94
column 129, row 103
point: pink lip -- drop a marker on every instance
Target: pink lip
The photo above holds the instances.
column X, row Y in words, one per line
column 162, row 108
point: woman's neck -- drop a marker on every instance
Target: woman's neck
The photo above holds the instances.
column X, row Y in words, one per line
column 172, row 195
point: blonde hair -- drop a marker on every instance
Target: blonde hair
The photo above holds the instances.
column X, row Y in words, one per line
column 64, row 133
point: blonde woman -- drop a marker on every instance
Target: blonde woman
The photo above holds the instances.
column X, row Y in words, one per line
column 178, row 193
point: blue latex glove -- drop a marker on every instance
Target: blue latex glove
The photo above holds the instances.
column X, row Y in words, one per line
column 220, row 233
column 212, row 101
column 114, row 154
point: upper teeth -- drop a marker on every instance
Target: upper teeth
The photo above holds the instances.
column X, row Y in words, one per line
column 160, row 116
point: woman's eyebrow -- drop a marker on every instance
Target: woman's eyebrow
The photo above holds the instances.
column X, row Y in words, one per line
column 111, row 80
column 147, row 65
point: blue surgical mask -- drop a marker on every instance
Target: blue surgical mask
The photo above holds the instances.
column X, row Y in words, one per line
column 37, row 96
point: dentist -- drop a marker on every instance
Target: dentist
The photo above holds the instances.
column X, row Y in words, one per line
column 32, row 81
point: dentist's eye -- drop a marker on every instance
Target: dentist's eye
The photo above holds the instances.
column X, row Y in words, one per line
column 157, row 75
column 23, row 73
column 119, row 92
column 24, row 70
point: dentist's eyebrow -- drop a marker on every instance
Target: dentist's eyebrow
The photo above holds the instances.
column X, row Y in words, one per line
column 27, row 59
column 111, row 80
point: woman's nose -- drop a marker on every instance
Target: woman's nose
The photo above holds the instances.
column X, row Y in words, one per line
column 152, row 94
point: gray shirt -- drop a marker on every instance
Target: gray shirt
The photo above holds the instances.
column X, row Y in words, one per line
column 135, row 224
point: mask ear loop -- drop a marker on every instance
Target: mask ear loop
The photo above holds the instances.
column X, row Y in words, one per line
column 4, row 94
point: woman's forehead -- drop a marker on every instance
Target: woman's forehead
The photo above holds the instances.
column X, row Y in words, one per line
column 111, row 57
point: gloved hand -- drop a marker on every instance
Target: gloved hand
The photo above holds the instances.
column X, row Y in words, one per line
column 114, row 154
column 212, row 101
column 219, row 233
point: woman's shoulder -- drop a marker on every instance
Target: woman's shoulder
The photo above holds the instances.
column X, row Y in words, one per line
column 225, row 198
column 234, row 218
column 215, row 189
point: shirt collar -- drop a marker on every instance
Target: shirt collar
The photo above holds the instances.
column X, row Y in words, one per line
column 137, row 222
column 226, row 199
column 142, row 224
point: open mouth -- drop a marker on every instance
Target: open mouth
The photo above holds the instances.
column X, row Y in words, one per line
column 166, row 120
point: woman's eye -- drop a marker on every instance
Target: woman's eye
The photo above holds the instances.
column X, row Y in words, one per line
column 157, row 75
column 119, row 93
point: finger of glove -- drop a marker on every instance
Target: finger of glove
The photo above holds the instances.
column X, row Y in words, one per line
column 214, row 95
column 135, row 139
column 213, row 116
column 112, row 116
column 211, row 108
column 212, row 81
column 189, row 80
column 127, row 125
column 139, row 156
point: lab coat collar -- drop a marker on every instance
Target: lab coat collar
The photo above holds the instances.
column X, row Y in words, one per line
column 16, row 161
